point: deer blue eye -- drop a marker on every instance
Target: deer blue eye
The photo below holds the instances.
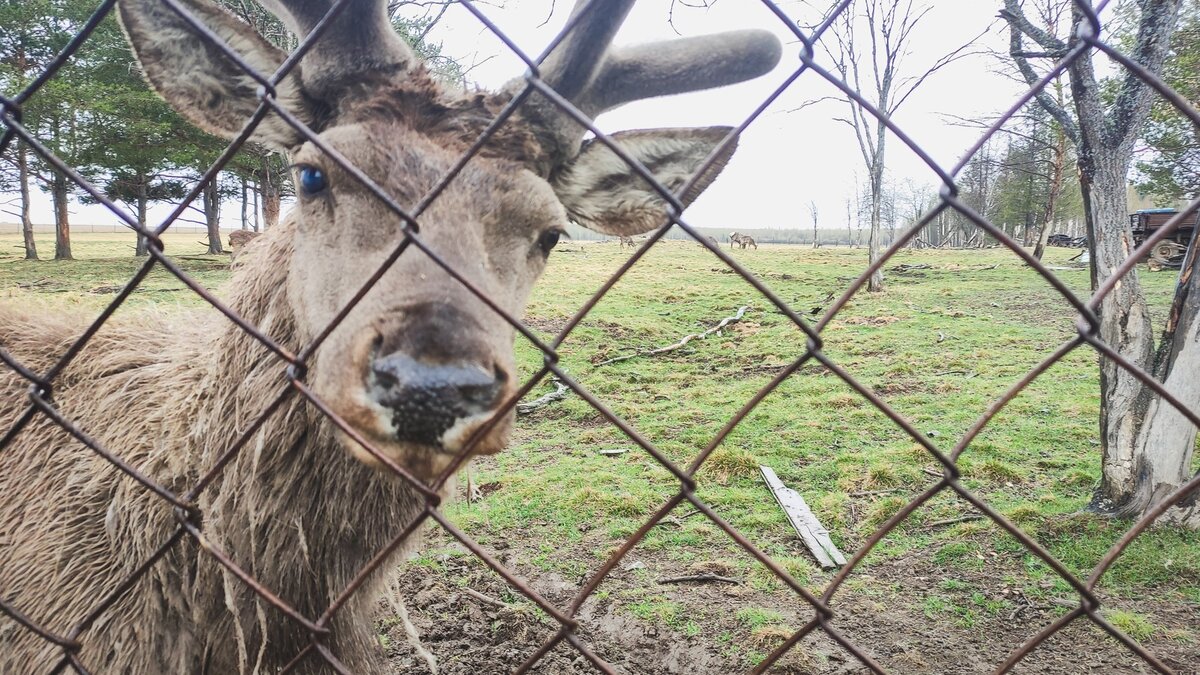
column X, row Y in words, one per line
column 312, row 180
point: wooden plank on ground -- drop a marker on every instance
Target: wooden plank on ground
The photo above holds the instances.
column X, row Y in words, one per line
column 814, row 535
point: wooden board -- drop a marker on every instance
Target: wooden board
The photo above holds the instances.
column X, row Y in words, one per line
column 814, row 535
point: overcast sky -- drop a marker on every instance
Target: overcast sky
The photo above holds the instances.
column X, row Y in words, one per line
column 787, row 157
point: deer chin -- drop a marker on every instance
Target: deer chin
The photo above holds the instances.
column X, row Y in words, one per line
column 424, row 462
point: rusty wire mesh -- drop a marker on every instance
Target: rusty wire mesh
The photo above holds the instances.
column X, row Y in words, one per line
column 824, row 617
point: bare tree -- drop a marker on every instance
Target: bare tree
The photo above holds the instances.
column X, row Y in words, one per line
column 1146, row 443
column 849, row 225
column 888, row 31
column 812, row 211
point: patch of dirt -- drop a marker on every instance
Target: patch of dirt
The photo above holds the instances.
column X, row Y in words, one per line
column 869, row 320
column 490, row 628
column 740, row 369
column 898, row 387
column 545, row 326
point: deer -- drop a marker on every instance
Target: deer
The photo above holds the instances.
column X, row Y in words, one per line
column 238, row 240
column 743, row 240
column 413, row 377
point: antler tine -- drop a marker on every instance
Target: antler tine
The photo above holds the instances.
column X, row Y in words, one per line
column 595, row 78
column 361, row 39
column 680, row 66
column 569, row 69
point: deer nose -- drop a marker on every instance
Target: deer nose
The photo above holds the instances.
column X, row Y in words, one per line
column 427, row 399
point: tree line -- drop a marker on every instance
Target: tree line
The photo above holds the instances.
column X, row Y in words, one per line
column 99, row 117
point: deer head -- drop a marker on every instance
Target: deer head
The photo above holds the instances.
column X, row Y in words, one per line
column 421, row 362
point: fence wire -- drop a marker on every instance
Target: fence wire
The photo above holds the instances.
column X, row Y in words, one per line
column 189, row 518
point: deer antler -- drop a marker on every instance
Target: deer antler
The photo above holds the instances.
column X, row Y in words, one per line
column 585, row 70
column 360, row 39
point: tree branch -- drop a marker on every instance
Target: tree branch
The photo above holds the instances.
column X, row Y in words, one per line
column 1012, row 14
column 1016, row 18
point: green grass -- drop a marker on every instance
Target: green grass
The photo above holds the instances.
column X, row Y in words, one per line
column 1134, row 625
column 939, row 346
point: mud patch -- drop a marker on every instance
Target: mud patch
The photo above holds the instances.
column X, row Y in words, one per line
column 909, row 615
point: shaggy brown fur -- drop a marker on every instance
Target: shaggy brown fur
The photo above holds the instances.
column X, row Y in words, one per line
column 293, row 508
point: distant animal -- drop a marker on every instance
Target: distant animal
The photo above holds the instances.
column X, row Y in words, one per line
column 416, row 372
column 743, row 240
column 238, row 240
column 712, row 240
column 626, row 241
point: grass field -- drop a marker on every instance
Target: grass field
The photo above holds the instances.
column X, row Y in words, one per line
column 949, row 336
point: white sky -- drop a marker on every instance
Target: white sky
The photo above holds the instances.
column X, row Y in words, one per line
column 785, row 159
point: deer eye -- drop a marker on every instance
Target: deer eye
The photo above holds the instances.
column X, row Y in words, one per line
column 549, row 240
column 312, row 180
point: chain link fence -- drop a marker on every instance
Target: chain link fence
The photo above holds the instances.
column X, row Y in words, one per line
column 182, row 501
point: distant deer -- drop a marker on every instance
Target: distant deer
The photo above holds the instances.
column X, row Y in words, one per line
column 415, row 371
column 238, row 240
column 626, row 241
column 743, row 240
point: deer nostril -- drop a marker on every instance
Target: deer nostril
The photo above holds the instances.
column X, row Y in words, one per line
column 427, row 399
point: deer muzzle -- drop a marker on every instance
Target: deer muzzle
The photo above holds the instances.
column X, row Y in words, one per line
column 435, row 372
column 427, row 399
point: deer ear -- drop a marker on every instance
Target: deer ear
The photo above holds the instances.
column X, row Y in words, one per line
column 203, row 83
column 602, row 192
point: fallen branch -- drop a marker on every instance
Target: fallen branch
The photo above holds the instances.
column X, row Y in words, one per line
column 559, row 393
column 686, row 339
column 703, row 578
column 905, row 267
column 871, row 493
column 485, row 599
column 952, row 521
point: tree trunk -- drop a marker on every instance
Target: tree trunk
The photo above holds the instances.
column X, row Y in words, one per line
column 212, row 217
column 1129, row 480
column 875, row 282
column 62, row 221
column 271, row 196
column 245, row 204
column 1167, row 439
column 849, row 223
column 1124, row 325
column 254, row 191
column 143, row 199
column 1056, row 182
column 26, row 221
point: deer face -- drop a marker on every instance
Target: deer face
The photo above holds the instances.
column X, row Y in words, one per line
column 421, row 362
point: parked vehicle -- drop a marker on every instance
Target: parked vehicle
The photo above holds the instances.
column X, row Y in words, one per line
column 1169, row 252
